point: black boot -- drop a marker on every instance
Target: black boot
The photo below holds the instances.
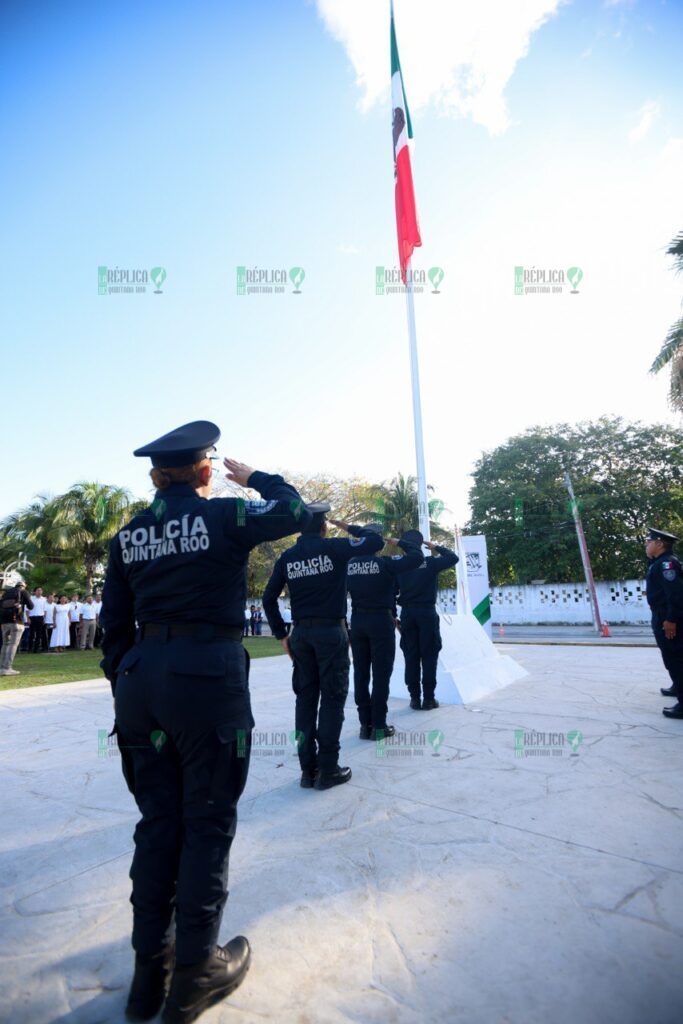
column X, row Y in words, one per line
column 307, row 778
column 325, row 780
column 148, row 987
column 198, row 986
column 667, row 692
column 429, row 703
column 365, row 732
column 383, row 733
column 675, row 712
column 415, row 703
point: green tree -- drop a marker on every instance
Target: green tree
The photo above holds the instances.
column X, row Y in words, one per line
column 71, row 531
column 625, row 475
column 355, row 501
column 671, row 352
column 397, row 508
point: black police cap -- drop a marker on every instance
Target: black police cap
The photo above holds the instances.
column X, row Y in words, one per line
column 375, row 527
column 317, row 510
column 653, row 534
column 182, row 446
column 413, row 537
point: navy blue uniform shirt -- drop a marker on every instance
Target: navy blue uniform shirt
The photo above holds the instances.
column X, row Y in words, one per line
column 184, row 559
column 314, row 571
column 418, row 587
column 664, row 588
column 371, row 579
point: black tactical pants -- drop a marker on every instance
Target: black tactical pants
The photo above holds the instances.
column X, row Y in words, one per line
column 320, row 677
column 373, row 646
column 672, row 655
column 420, row 643
column 184, row 723
column 37, row 637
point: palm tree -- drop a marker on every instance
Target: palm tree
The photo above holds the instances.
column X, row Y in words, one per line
column 74, row 527
column 397, row 508
column 671, row 352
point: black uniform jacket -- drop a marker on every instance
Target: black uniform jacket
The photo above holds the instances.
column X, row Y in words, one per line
column 418, row 588
column 372, row 579
column 664, row 589
column 184, row 559
column 314, row 571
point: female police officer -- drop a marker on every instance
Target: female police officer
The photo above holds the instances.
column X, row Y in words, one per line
column 173, row 609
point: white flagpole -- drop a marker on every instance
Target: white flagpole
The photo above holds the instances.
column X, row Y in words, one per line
column 423, row 504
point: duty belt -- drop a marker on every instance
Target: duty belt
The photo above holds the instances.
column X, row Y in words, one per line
column 385, row 610
column 320, row 622
column 202, row 630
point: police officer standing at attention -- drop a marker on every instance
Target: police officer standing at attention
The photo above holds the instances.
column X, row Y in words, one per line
column 420, row 633
column 173, row 612
column 371, row 580
column 314, row 570
column 664, row 591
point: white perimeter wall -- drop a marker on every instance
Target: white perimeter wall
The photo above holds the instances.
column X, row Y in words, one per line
column 622, row 601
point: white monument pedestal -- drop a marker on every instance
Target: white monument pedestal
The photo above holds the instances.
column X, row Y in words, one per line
column 469, row 666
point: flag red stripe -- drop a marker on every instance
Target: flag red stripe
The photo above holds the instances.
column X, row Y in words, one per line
column 406, row 213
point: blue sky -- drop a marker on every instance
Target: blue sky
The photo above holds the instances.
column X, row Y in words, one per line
column 206, row 136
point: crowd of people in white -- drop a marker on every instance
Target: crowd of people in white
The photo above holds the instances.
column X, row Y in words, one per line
column 47, row 623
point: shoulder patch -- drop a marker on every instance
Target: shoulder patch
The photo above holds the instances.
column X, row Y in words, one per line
column 669, row 574
column 395, row 558
column 356, row 541
column 257, row 508
column 667, row 565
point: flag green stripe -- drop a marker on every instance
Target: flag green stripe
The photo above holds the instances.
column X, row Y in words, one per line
column 396, row 69
column 482, row 612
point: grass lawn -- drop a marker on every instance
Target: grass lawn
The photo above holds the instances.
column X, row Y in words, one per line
column 41, row 669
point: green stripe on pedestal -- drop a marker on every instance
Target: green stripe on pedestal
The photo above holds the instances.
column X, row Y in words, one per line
column 482, row 612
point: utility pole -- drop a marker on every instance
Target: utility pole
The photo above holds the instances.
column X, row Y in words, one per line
column 585, row 558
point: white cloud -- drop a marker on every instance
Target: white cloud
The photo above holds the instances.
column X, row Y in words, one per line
column 647, row 115
column 457, row 57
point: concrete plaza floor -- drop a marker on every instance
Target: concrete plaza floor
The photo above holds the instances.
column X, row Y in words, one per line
column 518, row 860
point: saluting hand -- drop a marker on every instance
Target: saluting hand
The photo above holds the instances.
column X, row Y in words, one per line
column 340, row 523
column 391, row 541
column 238, row 472
column 429, row 544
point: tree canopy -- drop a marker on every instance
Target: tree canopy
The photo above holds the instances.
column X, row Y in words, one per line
column 626, row 476
column 67, row 537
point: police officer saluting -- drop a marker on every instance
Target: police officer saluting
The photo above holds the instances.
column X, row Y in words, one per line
column 371, row 580
column 314, row 570
column 420, row 633
column 664, row 590
column 173, row 611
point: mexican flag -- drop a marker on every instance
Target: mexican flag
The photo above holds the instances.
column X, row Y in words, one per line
column 406, row 214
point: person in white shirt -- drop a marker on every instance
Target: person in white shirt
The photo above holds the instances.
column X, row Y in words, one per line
column 88, row 624
column 49, row 618
column 36, row 622
column 74, row 620
column 287, row 618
